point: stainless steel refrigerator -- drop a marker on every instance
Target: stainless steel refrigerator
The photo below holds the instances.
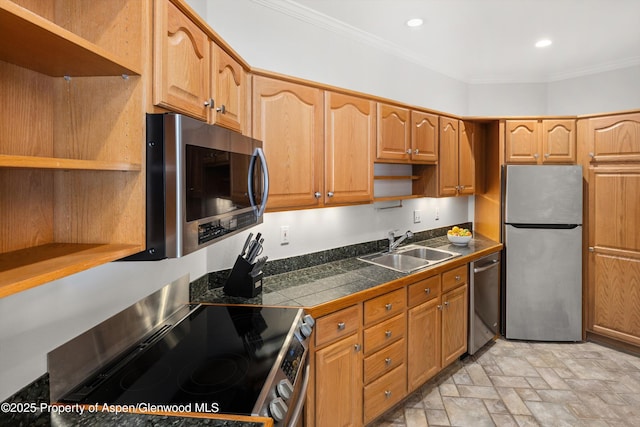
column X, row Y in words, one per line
column 543, row 252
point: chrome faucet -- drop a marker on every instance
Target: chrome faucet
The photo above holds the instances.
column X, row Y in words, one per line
column 393, row 244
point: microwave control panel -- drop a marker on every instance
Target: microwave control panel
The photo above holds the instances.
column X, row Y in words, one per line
column 212, row 230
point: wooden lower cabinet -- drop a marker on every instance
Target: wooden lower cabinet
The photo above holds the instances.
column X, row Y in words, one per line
column 338, row 384
column 454, row 324
column 370, row 356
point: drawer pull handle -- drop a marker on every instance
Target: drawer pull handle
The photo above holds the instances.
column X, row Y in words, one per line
column 387, row 361
column 387, row 394
column 458, row 277
column 388, row 306
column 387, row 334
column 341, row 326
column 428, row 291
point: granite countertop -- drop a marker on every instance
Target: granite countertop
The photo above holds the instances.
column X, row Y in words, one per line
column 325, row 283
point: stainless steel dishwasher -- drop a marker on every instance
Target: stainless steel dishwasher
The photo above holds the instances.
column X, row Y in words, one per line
column 484, row 301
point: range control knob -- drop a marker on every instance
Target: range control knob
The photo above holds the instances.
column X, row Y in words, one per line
column 305, row 330
column 278, row 409
column 309, row 320
column 285, row 389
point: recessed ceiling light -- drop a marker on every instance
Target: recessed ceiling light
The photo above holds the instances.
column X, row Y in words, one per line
column 415, row 22
column 543, row 43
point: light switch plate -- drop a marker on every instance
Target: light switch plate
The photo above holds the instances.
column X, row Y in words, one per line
column 416, row 217
column 284, row 235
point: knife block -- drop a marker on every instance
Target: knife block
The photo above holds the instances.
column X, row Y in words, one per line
column 241, row 283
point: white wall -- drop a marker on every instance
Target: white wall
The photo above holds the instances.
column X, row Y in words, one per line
column 510, row 99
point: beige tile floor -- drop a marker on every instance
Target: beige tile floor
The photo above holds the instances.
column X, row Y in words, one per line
column 515, row 383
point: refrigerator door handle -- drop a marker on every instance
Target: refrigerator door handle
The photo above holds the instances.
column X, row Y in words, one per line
column 546, row 226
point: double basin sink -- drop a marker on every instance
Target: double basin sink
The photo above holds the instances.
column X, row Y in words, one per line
column 409, row 258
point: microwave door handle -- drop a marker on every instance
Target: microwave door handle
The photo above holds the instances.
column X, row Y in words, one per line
column 265, row 188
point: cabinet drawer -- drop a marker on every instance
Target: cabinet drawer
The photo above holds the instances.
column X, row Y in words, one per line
column 424, row 290
column 385, row 392
column 384, row 360
column 384, row 306
column 384, row 333
column 336, row 325
column 455, row 277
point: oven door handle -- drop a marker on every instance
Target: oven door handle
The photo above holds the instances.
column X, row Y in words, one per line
column 297, row 411
column 265, row 187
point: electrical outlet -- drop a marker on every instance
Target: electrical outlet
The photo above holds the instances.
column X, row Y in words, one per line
column 416, row 217
column 284, row 235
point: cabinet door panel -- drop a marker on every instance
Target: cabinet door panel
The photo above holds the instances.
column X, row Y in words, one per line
column 349, row 145
column 521, row 141
column 423, row 343
column 339, row 384
column 448, row 158
column 228, row 90
column 454, row 324
column 288, row 119
column 617, row 297
column 615, row 138
column 424, row 137
column 466, row 158
column 559, row 141
column 393, row 132
column 182, row 62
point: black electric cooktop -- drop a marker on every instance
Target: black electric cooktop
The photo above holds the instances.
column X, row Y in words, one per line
column 218, row 355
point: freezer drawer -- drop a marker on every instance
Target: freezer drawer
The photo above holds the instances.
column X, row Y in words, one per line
column 543, row 286
column 484, row 301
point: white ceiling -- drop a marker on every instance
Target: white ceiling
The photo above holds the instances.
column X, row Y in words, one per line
column 488, row 41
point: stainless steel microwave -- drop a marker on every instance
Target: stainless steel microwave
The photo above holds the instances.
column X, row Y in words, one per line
column 204, row 183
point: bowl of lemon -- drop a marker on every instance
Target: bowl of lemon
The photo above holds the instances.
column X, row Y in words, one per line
column 459, row 236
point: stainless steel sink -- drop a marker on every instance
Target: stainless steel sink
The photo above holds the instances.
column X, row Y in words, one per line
column 409, row 258
column 431, row 254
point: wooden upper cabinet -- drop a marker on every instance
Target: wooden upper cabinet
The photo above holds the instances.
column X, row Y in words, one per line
column 614, row 138
column 229, row 91
column 181, row 62
column 349, row 143
column 394, row 133
column 559, row 141
column 448, row 158
column 540, row 141
column 521, row 141
column 288, row 119
column 466, row 158
column 424, row 137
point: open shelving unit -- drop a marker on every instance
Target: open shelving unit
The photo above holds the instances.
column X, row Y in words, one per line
column 71, row 137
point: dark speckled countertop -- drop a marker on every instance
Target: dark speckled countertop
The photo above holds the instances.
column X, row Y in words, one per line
column 321, row 284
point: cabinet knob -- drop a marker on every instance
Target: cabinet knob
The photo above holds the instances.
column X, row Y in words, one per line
column 387, row 334
column 446, row 303
column 221, row 109
column 461, row 187
column 547, row 155
column 458, row 278
column 341, row 326
column 408, row 150
column 387, row 361
column 416, row 151
column 592, row 249
column 209, row 103
column 427, row 291
column 440, row 307
column 330, row 194
column 591, row 155
column 387, row 394
column 388, row 306
column 317, row 194
column 357, row 348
